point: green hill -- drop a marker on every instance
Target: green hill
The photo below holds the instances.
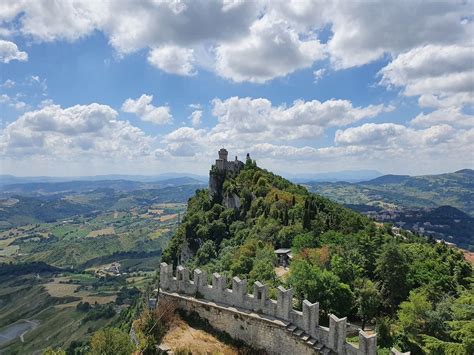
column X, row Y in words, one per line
column 451, row 189
column 350, row 265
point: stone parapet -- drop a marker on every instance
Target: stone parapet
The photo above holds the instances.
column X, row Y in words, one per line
column 334, row 337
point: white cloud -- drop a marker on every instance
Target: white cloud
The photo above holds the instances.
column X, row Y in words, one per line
column 391, row 148
column 143, row 108
column 75, row 132
column 8, row 84
column 370, row 134
column 173, row 60
column 36, row 81
column 395, row 138
column 57, row 20
column 195, row 106
column 9, row 51
column 272, row 49
column 12, row 102
column 439, row 74
column 245, row 124
column 258, row 120
column 131, row 25
column 452, row 116
column 186, row 142
column 280, row 37
column 318, row 74
column 196, row 118
column 364, row 31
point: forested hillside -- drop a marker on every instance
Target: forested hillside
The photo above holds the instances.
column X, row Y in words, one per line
column 418, row 293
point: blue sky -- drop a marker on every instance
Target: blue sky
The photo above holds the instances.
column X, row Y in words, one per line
column 140, row 87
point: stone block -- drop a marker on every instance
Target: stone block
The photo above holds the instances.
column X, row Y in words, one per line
column 367, row 343
column 284, row 302
column 239, row 291
column 310, row 317
column 337, row 333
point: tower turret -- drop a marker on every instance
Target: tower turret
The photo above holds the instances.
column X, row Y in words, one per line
column 223, row 154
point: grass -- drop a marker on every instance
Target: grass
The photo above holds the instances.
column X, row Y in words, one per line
column 57, row 288
column 99, row 232
column 158, row 233
column 168, row 217
column 184, row 339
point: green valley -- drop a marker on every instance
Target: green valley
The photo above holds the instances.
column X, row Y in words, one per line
column 66, row 272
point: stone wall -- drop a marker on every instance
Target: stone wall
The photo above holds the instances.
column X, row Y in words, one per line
column 302, row 326
column 254, row 330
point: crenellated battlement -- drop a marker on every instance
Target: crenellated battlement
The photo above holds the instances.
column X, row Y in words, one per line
column 334, row 337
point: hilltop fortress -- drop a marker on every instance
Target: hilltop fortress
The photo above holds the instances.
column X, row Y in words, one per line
column 256, row 319
column 217, row 174
column 222, row 164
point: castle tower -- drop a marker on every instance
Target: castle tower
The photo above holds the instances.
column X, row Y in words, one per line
column 223, row 154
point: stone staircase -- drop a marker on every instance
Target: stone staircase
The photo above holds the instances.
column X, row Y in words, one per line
column 308, row 339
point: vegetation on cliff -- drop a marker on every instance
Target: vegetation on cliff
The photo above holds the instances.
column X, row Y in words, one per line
column 341, row 259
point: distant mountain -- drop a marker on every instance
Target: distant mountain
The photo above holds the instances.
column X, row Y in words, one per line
column 345, row 175
column 18, row 210
column 388, row 179
column 451, row 189
column 444, row 202
column 79, row 186
column 11, row 179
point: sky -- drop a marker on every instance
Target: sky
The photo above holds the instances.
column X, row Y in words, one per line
column 147, row 87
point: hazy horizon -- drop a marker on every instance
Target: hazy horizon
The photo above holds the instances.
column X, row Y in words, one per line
column 192, row 174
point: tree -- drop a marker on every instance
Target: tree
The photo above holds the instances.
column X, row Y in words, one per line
column 368, row 301
column 462, row 326
column 384, row 332
column 263, row 267
column 316, row 285
column 206, row 252
column 345, row 266
column 111, row 341
column 392, row 269
column 304, row 240
column 413, row 318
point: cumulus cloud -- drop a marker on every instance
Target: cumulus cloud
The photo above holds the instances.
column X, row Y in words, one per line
column 395, row 137
column 381, row 146
column 173, row 60
column 12, row 102
column 196, row 118
column 363, row 33
column 247, row 124
column 56, row 20
column 131, row 25
column 436, row 73
column 258, row 120
column 452, row 116
column 186, row 142
column 370, row 134
column 280, row 36
column 72, row 133
column 272, row 49
column 143, row 108
column 9, row 51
